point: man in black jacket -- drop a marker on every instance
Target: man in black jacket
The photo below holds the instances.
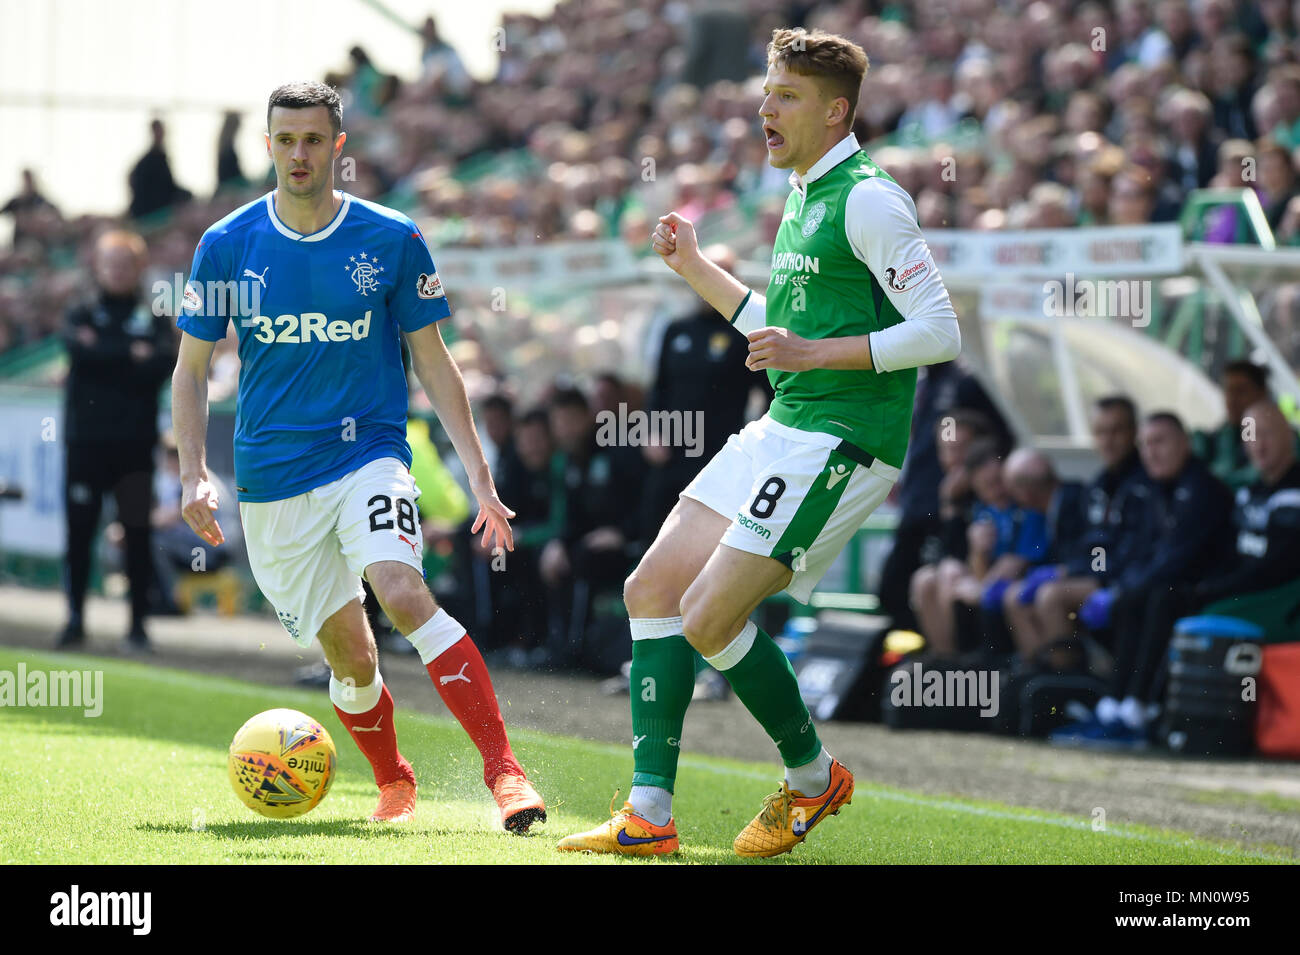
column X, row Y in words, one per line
column 1186, row 530
column 119, row 355
column 601, row 534
column 152, row 186
column 1262, row 584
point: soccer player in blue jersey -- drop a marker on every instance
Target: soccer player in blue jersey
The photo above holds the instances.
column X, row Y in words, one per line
column 321, row 286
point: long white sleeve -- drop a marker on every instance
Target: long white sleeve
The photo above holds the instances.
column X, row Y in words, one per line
column 880, row 221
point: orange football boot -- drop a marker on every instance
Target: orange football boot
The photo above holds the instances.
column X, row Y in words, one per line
column 625, row 833
column 396, row 802
column 519, row 803
column 788, row 815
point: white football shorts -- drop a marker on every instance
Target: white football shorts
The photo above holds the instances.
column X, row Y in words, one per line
column 795, row 496
column 309, row 552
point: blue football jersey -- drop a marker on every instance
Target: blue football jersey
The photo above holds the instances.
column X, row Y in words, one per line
column 322, row 388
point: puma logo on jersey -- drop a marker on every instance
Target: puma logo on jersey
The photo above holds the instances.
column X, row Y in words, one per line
column 249, row 273
column 444, row 680
column 838, row 474
column 368, row 729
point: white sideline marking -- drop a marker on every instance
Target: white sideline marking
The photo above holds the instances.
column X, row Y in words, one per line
column 1061, row 822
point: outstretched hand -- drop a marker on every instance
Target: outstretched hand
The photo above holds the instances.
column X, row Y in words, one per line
column 494, row 519
column 198, row 502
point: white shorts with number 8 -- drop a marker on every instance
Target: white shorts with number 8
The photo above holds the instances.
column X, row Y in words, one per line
column 309, row 552
column 795, row 496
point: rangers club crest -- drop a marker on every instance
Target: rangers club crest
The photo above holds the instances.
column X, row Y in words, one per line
column 364, row 273
column 290, row 622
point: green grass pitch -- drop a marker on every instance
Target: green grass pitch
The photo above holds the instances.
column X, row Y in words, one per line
column 145, row 782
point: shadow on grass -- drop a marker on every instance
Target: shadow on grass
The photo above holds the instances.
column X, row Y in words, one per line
column 272, row 828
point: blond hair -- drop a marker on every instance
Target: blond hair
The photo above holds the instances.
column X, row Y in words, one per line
column 837, row 61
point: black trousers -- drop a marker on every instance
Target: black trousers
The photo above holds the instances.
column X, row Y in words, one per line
column 1143, row 626
column 93, row 469
column 904, row 559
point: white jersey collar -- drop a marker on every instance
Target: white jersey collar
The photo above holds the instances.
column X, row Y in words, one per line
column 841, row 151
column 324, row 233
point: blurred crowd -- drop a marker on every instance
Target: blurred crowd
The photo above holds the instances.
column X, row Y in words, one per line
column 606, row 113
column 992, row 113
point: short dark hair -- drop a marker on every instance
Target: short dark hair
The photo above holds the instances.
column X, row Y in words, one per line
column 305, row 95
column 498, row 401
column 1169, row 418
column 1119, row 403
column 569, row 398
column 535, row 418
column 837, row 61
column 1258, row 374
column 981, row 452
column 976, row 422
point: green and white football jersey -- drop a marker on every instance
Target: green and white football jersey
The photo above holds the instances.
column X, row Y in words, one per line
column 849, row 260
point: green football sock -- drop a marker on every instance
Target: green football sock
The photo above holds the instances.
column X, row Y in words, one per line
column 765, row 682
column 662, row 681
column 701, row 664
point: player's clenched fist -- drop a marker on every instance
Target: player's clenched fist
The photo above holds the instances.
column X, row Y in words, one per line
column 674, row 240
column 198, row 502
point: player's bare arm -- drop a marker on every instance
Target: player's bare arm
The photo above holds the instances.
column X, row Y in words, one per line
column 442, row 382
column 675, row 241
column 190, row 425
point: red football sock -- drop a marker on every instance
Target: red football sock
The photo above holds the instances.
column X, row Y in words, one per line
column 376, row 737
column 462, row 680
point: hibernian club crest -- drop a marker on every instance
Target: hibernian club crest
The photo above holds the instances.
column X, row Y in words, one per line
column 364, row 272
column 813, row 218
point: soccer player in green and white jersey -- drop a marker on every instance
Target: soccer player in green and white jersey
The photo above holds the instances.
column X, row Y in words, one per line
column 854, row 305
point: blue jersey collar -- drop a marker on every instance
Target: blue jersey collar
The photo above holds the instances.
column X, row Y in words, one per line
column 324, row 233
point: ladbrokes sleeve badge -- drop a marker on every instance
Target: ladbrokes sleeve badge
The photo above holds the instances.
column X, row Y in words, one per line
column 429, row 286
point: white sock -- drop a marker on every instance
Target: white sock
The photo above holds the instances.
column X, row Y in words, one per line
column 652, row 628
column 735, row 651
column 438, row 634
column 652, row 803
column 1133, row 713
column 810, row 779
column 1107, row 709
column 356, row 699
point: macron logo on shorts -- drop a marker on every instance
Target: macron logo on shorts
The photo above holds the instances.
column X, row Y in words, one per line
column 838, row 474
